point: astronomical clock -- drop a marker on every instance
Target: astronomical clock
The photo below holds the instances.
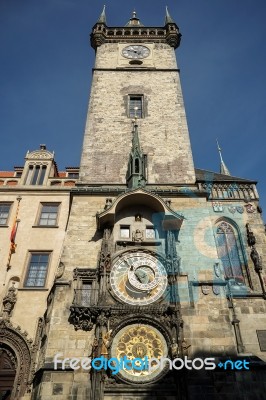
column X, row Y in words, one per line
column 138, row 279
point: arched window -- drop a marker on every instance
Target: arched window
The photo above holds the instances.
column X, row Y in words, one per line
column 229, row 251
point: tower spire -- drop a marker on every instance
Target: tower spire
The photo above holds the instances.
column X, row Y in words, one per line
column 136, row 165
column 102, row 18
column 223, row 168
column 134, row 21
column 168, row 18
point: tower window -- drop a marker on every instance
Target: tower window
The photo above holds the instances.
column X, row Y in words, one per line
column 49, row 214
column 135, row 106
column 125, row 231
column 150, row 232
column 37, row 270
column 4, row 213
column 36, row 174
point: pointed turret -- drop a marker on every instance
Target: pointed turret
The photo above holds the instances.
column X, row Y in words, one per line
column 223, row 168
column 134, row 21
column 102, row 18
column 168, row 18
column 136, row 165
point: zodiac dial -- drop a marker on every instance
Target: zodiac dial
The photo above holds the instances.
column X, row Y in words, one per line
column 139, row 341
column 138, row 278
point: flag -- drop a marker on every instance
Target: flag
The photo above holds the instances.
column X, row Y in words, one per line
column 13, row 236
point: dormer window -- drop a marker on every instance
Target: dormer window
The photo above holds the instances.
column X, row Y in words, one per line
column 36, row 174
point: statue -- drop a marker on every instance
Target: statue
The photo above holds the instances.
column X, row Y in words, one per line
column 106, row 343
column 137, row 236
column 174, row 348
column 9, row 300
column 185, row 347
column 94, row 349
column 250, row 236
column 255, row 257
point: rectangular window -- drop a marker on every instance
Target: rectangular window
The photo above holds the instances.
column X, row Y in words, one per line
column 49, row 214
column 135, row 106
column 73, row 175
column 35, row 175
column 4, row 213
column 150, row 232
column 37, row 270
column 125, row 232
column 86, row 292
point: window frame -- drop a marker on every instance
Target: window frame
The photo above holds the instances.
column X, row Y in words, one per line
column 36, row 174
column 238, row 249
column 150, row 227
column 124, row 226
column 130, row 98
column 31, row 253
column 6, row 203
column 45, row 204
column 73, row 175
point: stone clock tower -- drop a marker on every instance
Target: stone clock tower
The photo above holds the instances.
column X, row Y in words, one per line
column 143, row 272
column 135, row 68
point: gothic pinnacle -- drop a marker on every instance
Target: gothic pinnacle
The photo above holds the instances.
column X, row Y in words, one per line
column 102, row 18
column 223, row 168
column 168, row 18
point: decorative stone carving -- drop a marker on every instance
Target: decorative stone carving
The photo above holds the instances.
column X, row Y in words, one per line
column 217, row 270
column 250, row 236
column 240, row 209
column 185, row 347
column 168, row 202
column 217, row 206
column 9, row 301
column 216, row 289
column 174, row 348
column 82, row 318
column 108, row 203
column 84, row 273
column 60, row 270
column 94, row 349
column 106, row 343
column 137, row 236
column 173, row 262
column 256, row 258
column 205, row 289
column 23, row 350
column 85, row 318
column 232, row 209
column 250, row 208
column 40, row 155
column 138, row 217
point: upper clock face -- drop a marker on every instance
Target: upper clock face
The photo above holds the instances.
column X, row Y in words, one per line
column 138, row 278
column 136, row 52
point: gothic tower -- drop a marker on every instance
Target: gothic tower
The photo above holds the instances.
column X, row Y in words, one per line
column 136, row 73
column 148, row 268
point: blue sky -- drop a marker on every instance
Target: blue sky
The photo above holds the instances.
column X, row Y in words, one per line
column 46, row 61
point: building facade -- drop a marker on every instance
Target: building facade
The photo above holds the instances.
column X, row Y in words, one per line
column 152, row 258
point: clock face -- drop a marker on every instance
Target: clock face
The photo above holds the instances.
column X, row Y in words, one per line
column 136, row 52
column 138, row 278
column 139, row 342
